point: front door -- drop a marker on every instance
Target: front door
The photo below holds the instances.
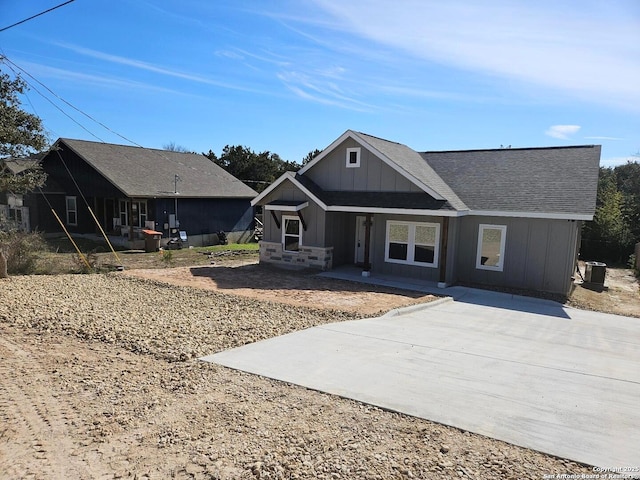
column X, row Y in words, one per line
column 360, row 239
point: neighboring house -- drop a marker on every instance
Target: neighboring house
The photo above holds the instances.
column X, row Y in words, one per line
column 15, row 207
column 506, row 217
column 132, row 188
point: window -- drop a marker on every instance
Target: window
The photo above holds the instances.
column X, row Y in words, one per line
column 412, row 243
column 15, row 215
column 124, row 213
column 291, row 234
column 142, row 210
column 491, row 241
column 72, row 211
column 353, row 157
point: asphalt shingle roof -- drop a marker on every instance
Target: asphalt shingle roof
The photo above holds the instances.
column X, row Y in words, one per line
column 537, row 180
column 146, row 172
column 412, row 163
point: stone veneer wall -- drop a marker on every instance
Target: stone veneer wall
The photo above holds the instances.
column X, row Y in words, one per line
column 312, row 257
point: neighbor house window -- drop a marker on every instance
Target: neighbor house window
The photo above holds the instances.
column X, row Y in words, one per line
column 15, row 215
column 291, row 234
column 412, row 243
column 142, row 211
column 491, row 241
column 124, row 213
column 353, row 157
column 72, row 211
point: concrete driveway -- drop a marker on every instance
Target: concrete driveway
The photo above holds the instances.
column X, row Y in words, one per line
column 527, row 371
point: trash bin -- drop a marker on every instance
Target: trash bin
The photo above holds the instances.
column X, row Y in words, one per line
column 151, row 240
column 595, row 272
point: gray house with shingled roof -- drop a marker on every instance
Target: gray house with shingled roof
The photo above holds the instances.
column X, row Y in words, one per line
column 506, row 217
column 132, row 188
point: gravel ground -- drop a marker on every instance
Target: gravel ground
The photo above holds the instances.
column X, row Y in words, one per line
column 100, row 381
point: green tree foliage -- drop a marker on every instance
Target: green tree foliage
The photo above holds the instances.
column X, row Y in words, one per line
column 615, row 227
column 258, row 170
column 21, row 134
column 310, row 156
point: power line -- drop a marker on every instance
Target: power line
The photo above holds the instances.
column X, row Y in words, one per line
column 36, row 15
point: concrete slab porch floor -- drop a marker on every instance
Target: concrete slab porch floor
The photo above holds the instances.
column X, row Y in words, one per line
column 527, row 371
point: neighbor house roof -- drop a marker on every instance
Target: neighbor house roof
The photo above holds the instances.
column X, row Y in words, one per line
column 146, row 172
column 18, row 165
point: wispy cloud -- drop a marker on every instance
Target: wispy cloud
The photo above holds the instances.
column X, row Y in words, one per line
column 103, row 81
column 141, row 65
column 563, row 132
column 589, row 53
column 604, row 138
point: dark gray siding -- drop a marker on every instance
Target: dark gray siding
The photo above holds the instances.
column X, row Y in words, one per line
column 340, row 234
column 373, row 175
column 539, row 253
column 201, row 216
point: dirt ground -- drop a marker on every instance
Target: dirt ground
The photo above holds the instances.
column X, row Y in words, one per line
column 620, row 295
column 82, row 401
column 294, row 287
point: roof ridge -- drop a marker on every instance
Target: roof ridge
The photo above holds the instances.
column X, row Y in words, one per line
column 509, row 149
column 380, row 138
column 124, row 146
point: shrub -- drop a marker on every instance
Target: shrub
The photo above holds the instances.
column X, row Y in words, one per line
column 22, row 251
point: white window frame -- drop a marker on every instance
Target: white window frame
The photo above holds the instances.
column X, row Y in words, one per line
column 411, row 243
column 284, row 230
column 70, row 210
column 503, row 237
column 355, row 150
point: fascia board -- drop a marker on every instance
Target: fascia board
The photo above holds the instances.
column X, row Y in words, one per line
column 398, row 168
column 287, row 208
column 291, row 177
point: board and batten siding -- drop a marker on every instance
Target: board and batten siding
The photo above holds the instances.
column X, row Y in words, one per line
column 373, row 175
column 536, row 255
column 313, row 215
column 378, row 239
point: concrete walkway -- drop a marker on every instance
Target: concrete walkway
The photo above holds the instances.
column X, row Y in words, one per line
column 527, row 371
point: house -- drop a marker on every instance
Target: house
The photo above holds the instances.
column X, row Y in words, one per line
column 506, row 217
column 131, row 188
column 15, row 206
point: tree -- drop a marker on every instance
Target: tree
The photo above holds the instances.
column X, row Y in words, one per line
column 173, row 147
column 608, row 236
column 310, row 156
column 256, row 169
column 21, row 134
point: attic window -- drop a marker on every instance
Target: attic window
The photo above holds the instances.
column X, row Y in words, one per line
column 353, row 157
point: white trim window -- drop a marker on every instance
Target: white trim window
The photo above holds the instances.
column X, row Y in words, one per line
column 353, row 157
column 291, row 233
column 72, row 210
column 491, row 243
column 412, row 243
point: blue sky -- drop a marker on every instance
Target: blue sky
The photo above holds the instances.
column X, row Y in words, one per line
column 290, row 76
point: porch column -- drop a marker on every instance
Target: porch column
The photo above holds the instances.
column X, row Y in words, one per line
column 367, row 245
column 130, row 218
column 443, row 252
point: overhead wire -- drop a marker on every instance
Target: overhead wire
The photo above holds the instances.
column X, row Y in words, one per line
column 36, row 15
column 13, row 66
